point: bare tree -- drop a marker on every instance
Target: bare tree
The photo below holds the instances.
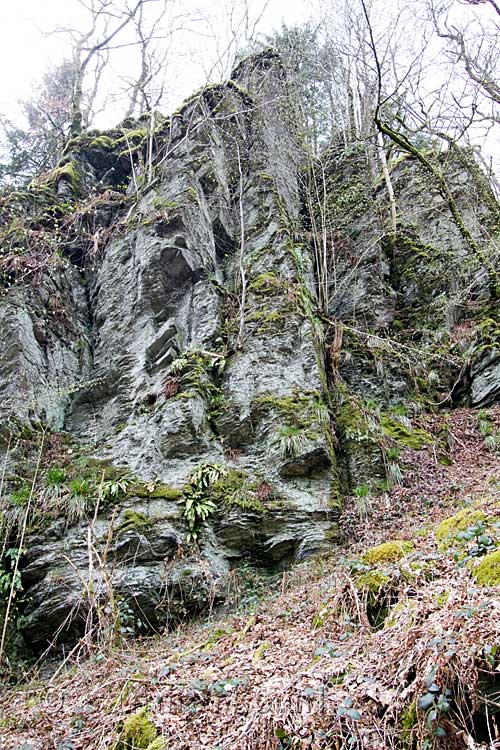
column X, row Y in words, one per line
column 394, row 128
column 154, row 41
column 107, row 19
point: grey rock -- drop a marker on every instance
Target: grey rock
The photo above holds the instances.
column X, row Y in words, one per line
column 163, row 290
column 485, row 374
column 90, row 350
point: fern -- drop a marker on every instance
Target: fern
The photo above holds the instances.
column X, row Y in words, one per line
column 113, row 489
column 197, row 505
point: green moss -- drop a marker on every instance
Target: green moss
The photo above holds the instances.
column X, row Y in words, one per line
column 408, row 721
column 269, row 320
column 387, row 552
column 449, row 528
column 300, row 410
column 236, row 489
column 306, row 417
column 139, row 733
column 267, row 283
column 154, row 490
column 95, row 470
column 392, row 618
column 372, row 581
column 289, row 405
column 9, row 722
column 336, row 494
column 487, row 572
column 21, row 495
column 132, row 137
column 199, row 373
column 234, row 481
column 415, row 438
column 442, row 598
column 445, row 460
column 67, row 172
column 215, row 636
column 488, row 336
column 134, row 520
column 261, row 651
column 245, row 502
column 160, row 743
column 351, row 419
column 102, row 141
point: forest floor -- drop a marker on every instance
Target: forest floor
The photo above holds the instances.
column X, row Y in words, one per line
column 397, row 649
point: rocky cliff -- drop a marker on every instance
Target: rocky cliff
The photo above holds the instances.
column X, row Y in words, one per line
column 184, row 387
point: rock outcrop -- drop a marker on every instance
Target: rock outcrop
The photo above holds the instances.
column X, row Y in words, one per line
column 189, row 340
column 168, row 352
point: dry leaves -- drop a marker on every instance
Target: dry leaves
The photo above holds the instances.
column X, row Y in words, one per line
column 275, row 679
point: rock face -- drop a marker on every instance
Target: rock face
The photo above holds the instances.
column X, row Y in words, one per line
column 485, row 375
column 420, row 328
column 189, row 341
column 172, row 353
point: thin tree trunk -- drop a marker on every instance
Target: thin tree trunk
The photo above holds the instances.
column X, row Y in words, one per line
column 388, row 183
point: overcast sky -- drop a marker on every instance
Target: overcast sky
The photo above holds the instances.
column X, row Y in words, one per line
column 28, row 48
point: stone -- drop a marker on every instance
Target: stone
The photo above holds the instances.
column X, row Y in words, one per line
column 485, row 376
column 186, row 332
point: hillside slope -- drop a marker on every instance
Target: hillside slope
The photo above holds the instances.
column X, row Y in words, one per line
column 386, row 646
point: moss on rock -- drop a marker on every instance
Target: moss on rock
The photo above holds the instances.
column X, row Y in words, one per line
column 95, row 470
column 352, row 421
column 160, row 743
column 487, row 571
column 236, row 488
column 394, row 613
column 415, row 438
column 450, row 527
column 488, row 336
column 267, row 283
column 300, row 408
column 388, row 552
column 154, row 490
column 139, row 733
column 68, row 172
column 372, row 581
column 408, row 721
column 102, row 141
column 134, row 520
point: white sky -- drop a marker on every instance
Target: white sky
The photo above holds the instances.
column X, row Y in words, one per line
column 27, row 48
